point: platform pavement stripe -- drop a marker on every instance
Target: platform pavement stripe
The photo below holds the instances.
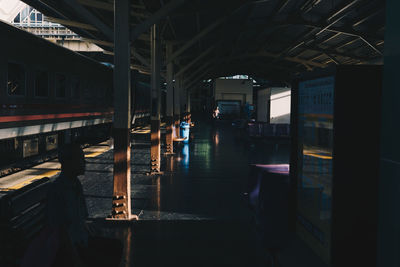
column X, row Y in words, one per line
column 31, row 180
column 318, row 156
column 48, row 174
column 97, row 153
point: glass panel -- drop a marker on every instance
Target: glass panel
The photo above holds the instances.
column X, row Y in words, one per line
column 61, row 85
column 32, row 16
column 39, row 17
column 24, row 13
column 75, row 87
column 41, row 84
column 16, row 79
column 16, row 20
column 315, row 176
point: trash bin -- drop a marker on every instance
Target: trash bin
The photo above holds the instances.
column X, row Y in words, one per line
column 185, row 129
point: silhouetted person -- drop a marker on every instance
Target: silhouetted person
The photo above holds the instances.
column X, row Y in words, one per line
column 216, row 113
column 67, row 214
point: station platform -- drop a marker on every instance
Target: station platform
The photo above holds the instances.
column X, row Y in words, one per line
column 195, row 213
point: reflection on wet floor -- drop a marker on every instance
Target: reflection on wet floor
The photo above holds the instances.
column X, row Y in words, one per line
column 206, row 177
column 194, row 214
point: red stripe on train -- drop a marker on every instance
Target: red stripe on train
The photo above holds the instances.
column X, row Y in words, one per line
column 50, row 116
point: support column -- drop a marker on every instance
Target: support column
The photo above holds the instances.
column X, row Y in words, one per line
column 183, row 92
column 121, row 201
column 389, row 182
column 169, row 102
column 155, row 151
column 189, row 114
column 177, row 106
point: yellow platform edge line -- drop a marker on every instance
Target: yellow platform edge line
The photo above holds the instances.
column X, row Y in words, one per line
column 318, row 156
column 97, row 153
column 47, row 174
column 30, row 180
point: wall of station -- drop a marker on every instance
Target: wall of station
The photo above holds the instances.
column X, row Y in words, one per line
column 234, row 90
column 280, row 105
column 273, row 105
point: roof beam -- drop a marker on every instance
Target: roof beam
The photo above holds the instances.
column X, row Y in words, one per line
column 140, row 58
column 108, row 32
column 346, row 31
column 347, row 5
column 109, row 44
column 291, row 59
column 198, row 71
column 332, row 51
column 242, row 29
column 70, row 23
column 108, row 7
column 200, row 76
column 342, row 29
column 308, row 5
column 373, row 14
column 97, row 4
column 330, row 24
column 331, row 38
column 193, row 62
column 140, row 68
column 197, row 81
column 200, row 35
column 169, row 24
column 282, row 6
column 295, row 59
column 158, row 15
column 99, row 42
column 346, row 43
column 317, row 56
column 332, row 58
column 322, row 25
column 90, row 18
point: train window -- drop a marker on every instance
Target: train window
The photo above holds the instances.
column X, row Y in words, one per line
column 87, row 89
column 41, row 84
column 61, row 85
column 16, row 79
column 75, row 87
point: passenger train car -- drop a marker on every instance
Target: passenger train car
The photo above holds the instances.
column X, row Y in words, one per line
column 49, row 94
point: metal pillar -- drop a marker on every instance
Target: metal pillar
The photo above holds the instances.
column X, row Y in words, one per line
column 177, row 106
column 170, row 102
column 389, row 182
column 189, row 115
column 183, row 92
column 121, row 203
column 155, row 150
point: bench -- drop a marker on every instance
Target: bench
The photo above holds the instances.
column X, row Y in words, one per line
column 22, row 217
column 268, row 130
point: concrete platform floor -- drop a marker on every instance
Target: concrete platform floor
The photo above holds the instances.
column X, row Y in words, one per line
column 194, row 214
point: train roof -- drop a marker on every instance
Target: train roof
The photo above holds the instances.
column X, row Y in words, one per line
column 17, row 34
